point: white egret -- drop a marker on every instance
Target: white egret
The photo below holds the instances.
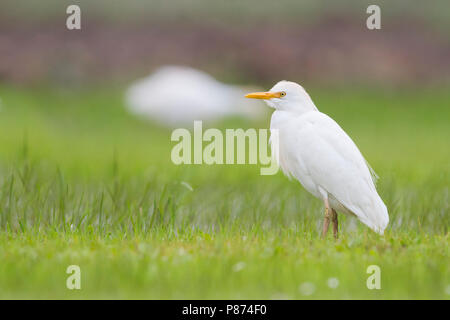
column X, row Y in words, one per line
column 178, row 95
column 315, row 150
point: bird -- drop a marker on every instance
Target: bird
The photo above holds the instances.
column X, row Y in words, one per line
column 177, row 95
column 312, row 148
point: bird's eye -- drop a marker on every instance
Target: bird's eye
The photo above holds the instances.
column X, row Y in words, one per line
column 282, row 94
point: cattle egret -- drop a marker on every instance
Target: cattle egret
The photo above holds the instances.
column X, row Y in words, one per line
column 176, row 95
column 314, row 149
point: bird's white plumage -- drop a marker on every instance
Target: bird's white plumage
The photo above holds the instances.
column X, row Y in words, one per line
column 315, row 150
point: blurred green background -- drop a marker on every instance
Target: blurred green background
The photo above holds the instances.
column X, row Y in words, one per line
column 84, row 182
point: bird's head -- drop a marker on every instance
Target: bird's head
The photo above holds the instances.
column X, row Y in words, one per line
column 286, row 96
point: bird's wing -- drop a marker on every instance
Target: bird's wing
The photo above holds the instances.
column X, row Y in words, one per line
column 336, row 165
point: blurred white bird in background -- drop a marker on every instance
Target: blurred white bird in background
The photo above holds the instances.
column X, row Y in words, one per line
column 315, row 150
column 177, row 95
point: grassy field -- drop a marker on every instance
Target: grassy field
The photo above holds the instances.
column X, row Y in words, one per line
column 84, row 183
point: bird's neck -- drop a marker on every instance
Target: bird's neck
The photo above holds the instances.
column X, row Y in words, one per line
column 305, row 104
column 300, row 105
column 281, row 117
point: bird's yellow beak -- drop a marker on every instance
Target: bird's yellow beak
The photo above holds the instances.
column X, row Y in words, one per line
column 263, row 95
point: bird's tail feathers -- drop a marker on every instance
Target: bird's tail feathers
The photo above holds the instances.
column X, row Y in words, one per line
column 378, row 219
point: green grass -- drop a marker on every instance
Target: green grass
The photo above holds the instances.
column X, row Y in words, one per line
column 82, row 182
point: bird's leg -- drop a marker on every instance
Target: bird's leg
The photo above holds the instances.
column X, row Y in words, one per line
column 326, row 221
column 334, row 219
